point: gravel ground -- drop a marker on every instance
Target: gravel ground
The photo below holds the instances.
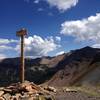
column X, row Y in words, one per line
column 74, row 96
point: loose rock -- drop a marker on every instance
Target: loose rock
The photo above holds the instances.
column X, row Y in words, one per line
column 1, row 93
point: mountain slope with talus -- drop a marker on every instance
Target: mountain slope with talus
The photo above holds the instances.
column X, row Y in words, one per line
column 77, row 67
column 81, row 67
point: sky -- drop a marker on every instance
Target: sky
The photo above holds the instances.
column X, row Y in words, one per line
column 54, row 26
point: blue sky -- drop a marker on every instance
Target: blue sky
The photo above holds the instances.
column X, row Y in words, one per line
column 54, row 26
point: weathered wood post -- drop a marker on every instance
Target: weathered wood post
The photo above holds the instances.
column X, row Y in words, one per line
column 21, row 33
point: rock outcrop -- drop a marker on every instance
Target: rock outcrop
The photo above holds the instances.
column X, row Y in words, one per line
column 24, row 91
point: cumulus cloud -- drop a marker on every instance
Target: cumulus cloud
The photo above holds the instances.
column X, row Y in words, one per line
column 85, row 29
column 5, row 51
column 62, row 5
column 37, row 46
column 5, row 47
column 60, row 53
column 7, row 41
column 96, row 46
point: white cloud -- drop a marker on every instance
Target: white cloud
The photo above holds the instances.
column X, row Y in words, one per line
column 7, row 41
column 58, row 38
column 85, row 29
column 62, row 5
column 36, row 46
column 5, row 47
column 36, row 1
column 2, row 56
column 60, row 53
column 5, row 51
column 96, row 46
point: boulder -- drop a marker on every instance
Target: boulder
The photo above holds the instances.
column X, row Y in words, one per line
column 1, row 98
column 7, row 96
column 1, row 93
column 51, row 89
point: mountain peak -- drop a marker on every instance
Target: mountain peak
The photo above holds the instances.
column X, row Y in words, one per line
column 87, row 47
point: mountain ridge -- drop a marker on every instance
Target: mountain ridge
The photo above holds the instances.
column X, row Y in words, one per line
column 67, row 69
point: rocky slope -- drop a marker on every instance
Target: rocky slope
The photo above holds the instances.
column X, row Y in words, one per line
column 77, row 67
column 24, row 91
column 81, row 67
column 37, row 70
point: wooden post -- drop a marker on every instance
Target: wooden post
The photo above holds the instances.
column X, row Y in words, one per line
column 22, row 60
column 21, row 34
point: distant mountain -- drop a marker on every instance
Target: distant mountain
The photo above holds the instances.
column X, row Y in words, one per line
column 77, row 67
column 80, row 67
column 37, row 70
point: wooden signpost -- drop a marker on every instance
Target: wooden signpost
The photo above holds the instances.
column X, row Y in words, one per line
column 21, row 33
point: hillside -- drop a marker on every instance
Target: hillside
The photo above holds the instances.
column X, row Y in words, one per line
column 37, row 70
column 74, row 68
column 80, row 67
